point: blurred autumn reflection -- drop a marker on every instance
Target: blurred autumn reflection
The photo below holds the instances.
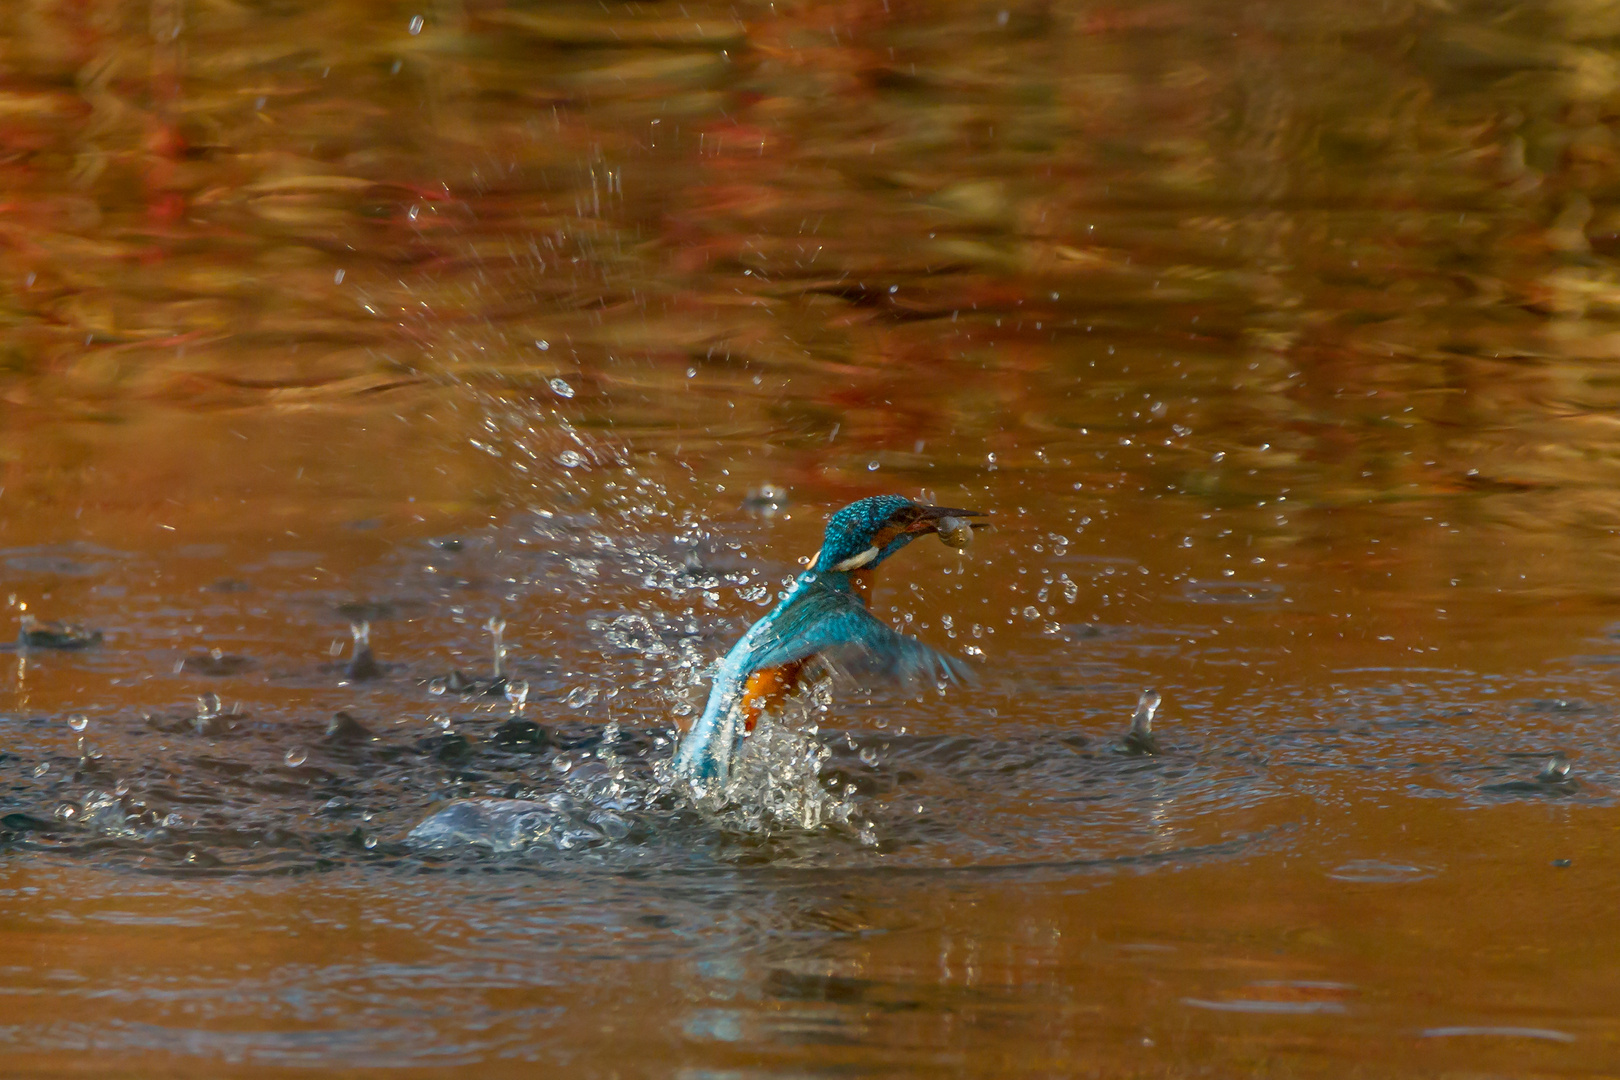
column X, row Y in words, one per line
column 393, row 189
column 1339, row 214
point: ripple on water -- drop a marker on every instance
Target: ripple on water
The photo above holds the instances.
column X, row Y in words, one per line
column 1547, row 1034
column 1377, row 871
column 273, row 793
column 1276, row 1008
column 61, row 560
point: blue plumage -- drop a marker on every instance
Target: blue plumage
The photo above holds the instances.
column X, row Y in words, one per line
column 851, row 530
column 823, row 618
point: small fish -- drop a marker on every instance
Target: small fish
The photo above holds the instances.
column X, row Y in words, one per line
column 1140, row 738
column 956, row 532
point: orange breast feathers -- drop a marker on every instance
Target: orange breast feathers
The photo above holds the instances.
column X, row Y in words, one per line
column 769, row 687
column 766, row 689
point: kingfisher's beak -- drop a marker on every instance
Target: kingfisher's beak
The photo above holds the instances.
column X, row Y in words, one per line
column 933, row 515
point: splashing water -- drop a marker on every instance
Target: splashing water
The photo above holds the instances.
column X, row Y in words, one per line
column 605, row 792
column 496, row 626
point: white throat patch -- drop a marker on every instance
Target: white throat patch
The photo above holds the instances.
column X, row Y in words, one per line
column 855, row 562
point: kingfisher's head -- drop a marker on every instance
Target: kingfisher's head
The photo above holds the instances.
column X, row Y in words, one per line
column 864, row 533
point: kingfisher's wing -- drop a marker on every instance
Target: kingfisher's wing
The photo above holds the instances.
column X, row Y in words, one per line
column 834, row 624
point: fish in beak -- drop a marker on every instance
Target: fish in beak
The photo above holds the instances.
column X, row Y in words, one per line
column 950, row 522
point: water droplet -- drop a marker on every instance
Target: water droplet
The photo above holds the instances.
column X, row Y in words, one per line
column 441, row 719
column 561, row 388
column 208, row 706
column 517, row 692
column 78, row 721
column 416, row 25
column 42, row 768
column 570, row 459
column 121, row 788
column 296, row 757
column 413, row 212
column 1555, row 771
column 497, row 626
column 337, row 278
column 371, row 842
column 872, row 466
column 542, row 345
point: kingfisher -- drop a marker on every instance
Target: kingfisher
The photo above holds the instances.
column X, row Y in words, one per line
column 822, row 619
